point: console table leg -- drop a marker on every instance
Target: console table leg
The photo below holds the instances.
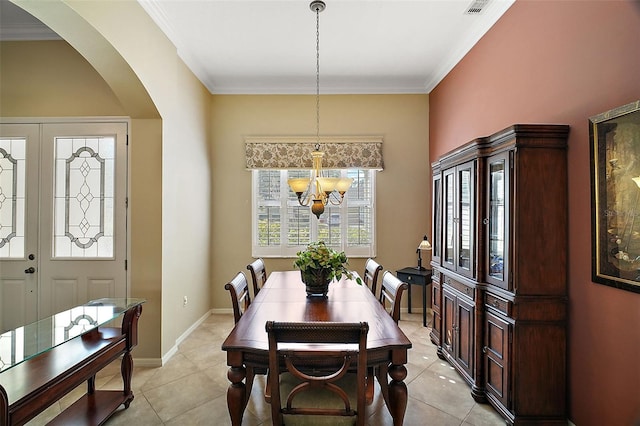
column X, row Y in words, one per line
column 236, row 394
column 397, row 393
column 126, row 368
column 4, row 407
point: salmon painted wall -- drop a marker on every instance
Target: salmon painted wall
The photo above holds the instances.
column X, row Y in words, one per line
column 561, row 62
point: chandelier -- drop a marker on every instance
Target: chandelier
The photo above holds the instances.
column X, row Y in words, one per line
column 319, row 190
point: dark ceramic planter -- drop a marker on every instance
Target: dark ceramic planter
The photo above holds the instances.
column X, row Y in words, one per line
column 316, row 283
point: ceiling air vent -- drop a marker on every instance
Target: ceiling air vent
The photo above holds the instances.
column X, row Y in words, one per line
column 476, row 7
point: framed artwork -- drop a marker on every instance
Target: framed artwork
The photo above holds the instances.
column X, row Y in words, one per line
column 615, row 197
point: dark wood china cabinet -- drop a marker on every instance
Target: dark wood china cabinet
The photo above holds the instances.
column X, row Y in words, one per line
column 500, row 284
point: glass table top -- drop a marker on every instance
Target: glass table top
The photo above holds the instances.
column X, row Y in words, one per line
column 25, row 342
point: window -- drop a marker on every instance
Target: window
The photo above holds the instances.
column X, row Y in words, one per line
column 282, row 227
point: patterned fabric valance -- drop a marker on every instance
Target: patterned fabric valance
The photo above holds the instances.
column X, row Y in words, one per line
column 295, row 152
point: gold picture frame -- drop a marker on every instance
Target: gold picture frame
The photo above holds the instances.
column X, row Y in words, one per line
column 615, row 197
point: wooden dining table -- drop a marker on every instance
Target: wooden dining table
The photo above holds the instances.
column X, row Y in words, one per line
column 283, row 298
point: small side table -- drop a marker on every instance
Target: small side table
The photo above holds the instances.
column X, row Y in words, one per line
column 413, row 276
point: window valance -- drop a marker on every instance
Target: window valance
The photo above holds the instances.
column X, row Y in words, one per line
column 295, row 152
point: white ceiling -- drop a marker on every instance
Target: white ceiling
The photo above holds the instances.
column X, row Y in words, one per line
column 265, row 46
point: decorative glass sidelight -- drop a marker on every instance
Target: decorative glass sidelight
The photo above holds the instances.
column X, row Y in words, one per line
column 12, row 197
column 84, row 197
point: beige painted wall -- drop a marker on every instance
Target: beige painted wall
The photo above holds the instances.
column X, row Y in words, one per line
column 403, row 187
column 51, row 79
column 169, row 151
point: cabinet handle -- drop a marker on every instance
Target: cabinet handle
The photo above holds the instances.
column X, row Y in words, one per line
column 485, row 221
column 496, row 304
column 484, row 349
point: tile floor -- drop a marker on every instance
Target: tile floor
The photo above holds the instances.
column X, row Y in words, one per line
column 191, row 388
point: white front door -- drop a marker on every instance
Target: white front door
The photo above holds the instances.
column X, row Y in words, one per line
column 19, row 147
column 62, row 217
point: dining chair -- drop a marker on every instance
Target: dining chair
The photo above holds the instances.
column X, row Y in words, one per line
column 240, row 297
column 391, row 294
column 258, row 274
column 371, row 271
column 240, row 300
column 317, row 358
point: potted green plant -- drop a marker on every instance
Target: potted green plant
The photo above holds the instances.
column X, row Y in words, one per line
column 319, row 265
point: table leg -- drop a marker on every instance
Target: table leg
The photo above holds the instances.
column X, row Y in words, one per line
column 236, row 394
column 409, row 298
column 397, row 393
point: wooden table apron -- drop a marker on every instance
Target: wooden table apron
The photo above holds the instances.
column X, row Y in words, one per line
column 283, row 298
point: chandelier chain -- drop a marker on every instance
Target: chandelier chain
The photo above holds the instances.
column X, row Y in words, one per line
column 317, row 78
column 320, row 190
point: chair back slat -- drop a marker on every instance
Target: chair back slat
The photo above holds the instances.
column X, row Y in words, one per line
column 240, row 298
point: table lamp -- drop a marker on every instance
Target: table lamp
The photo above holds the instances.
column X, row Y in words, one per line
column 424, row 245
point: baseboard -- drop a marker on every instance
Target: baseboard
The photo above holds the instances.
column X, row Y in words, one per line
column 159, row 362
column 147, row 362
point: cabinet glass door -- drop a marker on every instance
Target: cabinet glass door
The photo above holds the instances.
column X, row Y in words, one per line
column 464, row 263
column 436, row 233
column 448, row 220
column 497, row 220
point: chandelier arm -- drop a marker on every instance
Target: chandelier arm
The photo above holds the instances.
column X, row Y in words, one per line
column 304, row 203
column 338, row 200
column 307, row 196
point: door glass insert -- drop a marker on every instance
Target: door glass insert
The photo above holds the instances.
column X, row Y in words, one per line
column 496, row 219
column 12, row 197
column 84, row 197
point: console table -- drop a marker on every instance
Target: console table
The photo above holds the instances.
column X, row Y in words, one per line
column 414, row 276
column 42, row 362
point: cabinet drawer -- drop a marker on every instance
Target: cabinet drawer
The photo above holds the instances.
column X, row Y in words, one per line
column 411, row 278
column 462, row 288
column 498, row 303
